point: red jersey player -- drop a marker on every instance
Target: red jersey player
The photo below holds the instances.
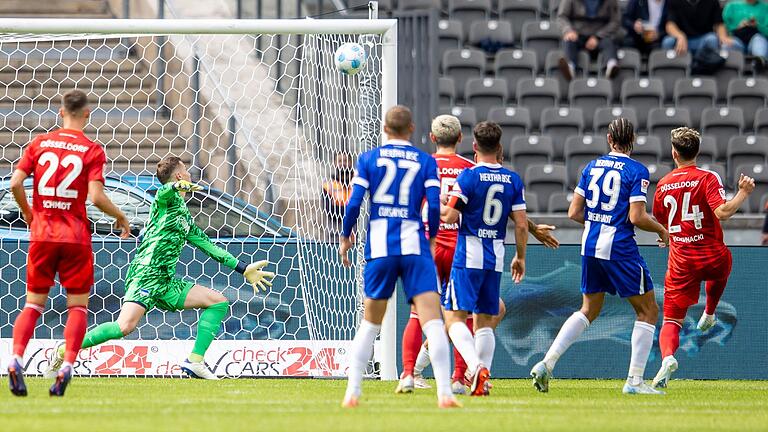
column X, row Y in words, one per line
column 67, row 168
column 691, row 202
column 446, row 134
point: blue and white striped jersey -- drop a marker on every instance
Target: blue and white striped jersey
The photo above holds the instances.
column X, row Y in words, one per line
column 490, row 193
column 399, row 177
column 609, row 184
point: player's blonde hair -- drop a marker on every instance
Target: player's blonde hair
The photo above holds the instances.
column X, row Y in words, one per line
column 686, row 142
column 446, row 129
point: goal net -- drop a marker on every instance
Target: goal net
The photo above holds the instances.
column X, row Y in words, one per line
column 259, row 113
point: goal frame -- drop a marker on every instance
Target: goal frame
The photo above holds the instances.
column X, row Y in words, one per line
column 386, row 28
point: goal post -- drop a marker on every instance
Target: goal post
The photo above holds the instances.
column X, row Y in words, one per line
column 259, row 111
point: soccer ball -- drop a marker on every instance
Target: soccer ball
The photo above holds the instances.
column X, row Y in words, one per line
column 350, row 58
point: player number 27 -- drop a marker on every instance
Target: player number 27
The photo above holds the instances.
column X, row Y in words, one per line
column 62, row 190
column 382, row 195
column 694, row 215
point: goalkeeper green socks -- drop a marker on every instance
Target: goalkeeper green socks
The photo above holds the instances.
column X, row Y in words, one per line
column 102, row 333
column 207, row 329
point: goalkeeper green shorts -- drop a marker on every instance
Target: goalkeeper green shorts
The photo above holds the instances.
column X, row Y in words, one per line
column 155, row 289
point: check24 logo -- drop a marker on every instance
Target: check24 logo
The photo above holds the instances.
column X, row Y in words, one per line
column 118, row 360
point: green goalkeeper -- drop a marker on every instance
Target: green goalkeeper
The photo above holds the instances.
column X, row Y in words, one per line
column 151, row 280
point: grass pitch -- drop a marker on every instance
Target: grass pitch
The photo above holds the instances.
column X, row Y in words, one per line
column 125, row 404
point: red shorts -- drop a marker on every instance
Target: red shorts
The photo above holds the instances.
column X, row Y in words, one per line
column 682, row 285
column 73, row 263
column 444, row 262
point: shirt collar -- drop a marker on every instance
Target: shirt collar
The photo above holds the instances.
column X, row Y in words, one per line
column 617, row 154
column 489, row 165
column 397, row 142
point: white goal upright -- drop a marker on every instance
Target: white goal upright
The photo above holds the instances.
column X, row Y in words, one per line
column 260, row 114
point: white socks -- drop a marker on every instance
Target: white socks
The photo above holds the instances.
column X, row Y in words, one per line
column 362, row 349
column 464, row 343
column 642, row 341
column 485, row 345
column 439, row 353
column 422, row 360
column 570, row 331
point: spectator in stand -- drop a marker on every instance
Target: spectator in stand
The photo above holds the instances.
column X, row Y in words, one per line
column 336, row 192
column 645, row 22
column 747, row 21
column 695, row 24
column 593, row 25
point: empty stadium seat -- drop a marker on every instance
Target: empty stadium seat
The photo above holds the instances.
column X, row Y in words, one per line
column 579, row 151
column 590, row 94
column 513, row 66
column 465, row 146
column 716, row 168
column 491, row 36
column 560, row 202
column 667, row 66
column 732, row 69
column 532, row 202
column 647, row 150
column 536, row 94
column 661, row 121
column 760, row 174
column 447, row 92
column 485, row 93
column 468, row 11
column 747, row 150
column 545, row 180
column 604, row 116
column 656, row 173
column 761, row 121
column 721, row 124
column 695, row 94
column 559, row 124
column 709, row 152
column 467, row 117
column 514, row 122
column 630, row 64
column 764, row 203
column 542, row 37
column 552, row 69
column 418, row 4
column 450, row 36
column 517, row 13
column 530, row 150
column 749, row 94
column 643, row 94
column 463, row 65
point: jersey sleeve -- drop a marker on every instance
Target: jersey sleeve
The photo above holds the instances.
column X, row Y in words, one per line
column 464, row 186
column 165, row 193
column 640, row 185
column 28, row 158
column 518, row 198
column 583, row 180
column 659, row 209
column 95, row 166
column 715, row 191
column 432, row 186
column 199, row 239
column 360, row 185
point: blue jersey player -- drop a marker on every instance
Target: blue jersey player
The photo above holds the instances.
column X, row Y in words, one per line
column 486, row 195
column 398, row 177
column 610, row 202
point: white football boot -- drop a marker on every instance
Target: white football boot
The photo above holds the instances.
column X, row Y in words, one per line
column 541, row 376
column 197, row 370
column 55, row 359
column 641, row 388
column 706, row 322
column 405, row 385
column 668, row 366
column 420, row 383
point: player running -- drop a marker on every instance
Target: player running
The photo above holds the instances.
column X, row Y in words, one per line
column 691, row 202
column 398, row 177
column 610, row 201
column 151, row 280
column 67, row 167
column 446, row 134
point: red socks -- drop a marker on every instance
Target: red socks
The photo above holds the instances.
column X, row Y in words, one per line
column 74, row 331
column 24, row 327
column 714, row 291
column 459, row 365
column 669, row 339
column 411, row 344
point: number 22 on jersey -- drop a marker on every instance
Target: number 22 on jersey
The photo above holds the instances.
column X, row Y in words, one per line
column 62, row 190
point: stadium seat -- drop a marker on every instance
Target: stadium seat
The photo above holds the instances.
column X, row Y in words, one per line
column 463, row 65
column 542, row 37
column 491, row 36
column 732, row 69
column 695, row 94
column 465, row 146
column 559, row 124
column 761, row 121
column 552, row 70
column 661, row 121
column 517, row 13
column 532, row 202
column 514, row 121
column 667, row 66
column 545, row 180
column 760, row 174
column 529, row 150
column 749, row 94
column 450, row 36
column 536, row 94
column 629, row 68
column 405, row 5
column 469, row 11
column 485, row 93
column 716, row 168
column 747, row 150
column 447, row 91
column 579, row 151
column 604, row 116
column 647, row 150
column 709, row 152
column 590, row 94
column 467, row 117
column 763, row 204
column 513, row 66
column 656, row 173
column 643, row 95
column 560, row 202
column 721, row 124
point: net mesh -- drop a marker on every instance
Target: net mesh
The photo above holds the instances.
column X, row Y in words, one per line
column 265, row 121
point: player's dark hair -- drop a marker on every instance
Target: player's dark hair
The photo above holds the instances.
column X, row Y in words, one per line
column 488, row 137
column 686, row 141
column 622, row 133
column 399, row 120
column 74, row 101
column 166, row 167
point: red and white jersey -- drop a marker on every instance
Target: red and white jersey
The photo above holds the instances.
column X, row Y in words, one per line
column 62, row 163
column 685, row 203
column 448, row 168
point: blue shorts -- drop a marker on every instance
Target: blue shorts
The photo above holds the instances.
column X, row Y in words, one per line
column 626, row 278
column 473, row 290
column 416, row 271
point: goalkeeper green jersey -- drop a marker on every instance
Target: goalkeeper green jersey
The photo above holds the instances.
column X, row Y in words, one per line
column 169, row 228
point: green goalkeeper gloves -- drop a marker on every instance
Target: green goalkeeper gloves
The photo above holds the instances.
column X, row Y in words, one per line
column 185, row 186
column 257, row 277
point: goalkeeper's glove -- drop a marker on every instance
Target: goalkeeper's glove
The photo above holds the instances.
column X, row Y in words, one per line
column 257, row 277
column 185, row 186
